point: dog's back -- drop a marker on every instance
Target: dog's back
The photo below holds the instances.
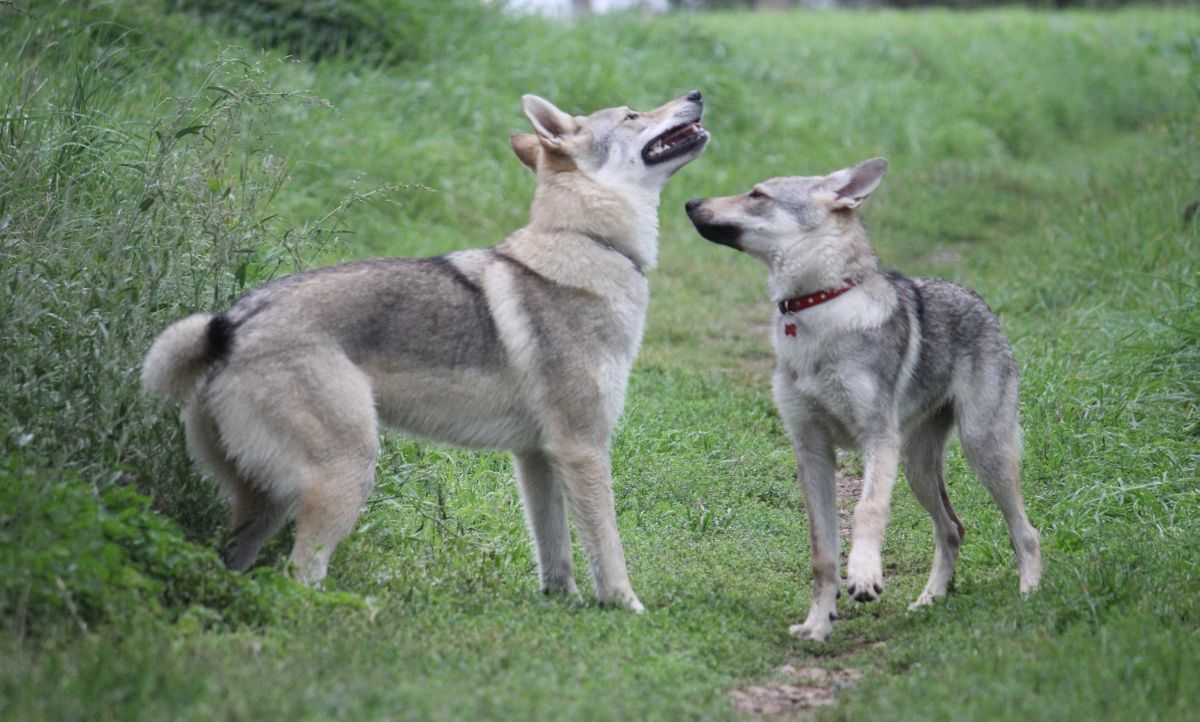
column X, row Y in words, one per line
column 963, row 357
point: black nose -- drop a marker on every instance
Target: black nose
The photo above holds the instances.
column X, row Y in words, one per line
column 693, row 204
column 695, row 96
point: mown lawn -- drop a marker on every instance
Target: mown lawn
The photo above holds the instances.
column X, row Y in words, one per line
column 1047, row 160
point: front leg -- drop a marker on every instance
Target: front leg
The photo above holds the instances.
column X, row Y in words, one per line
column 815, row 461
column 864, row 569
column 546, row 515
column 586, row 474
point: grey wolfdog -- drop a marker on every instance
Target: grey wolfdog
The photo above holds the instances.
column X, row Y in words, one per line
column 524, row 346
column 870, row 359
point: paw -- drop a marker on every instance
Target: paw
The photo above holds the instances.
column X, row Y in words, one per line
column 565, row 587
column 309, row 575
column 923, row 601
column 815, row 632
column 1030, row 581
column 625, row 600
column 817, row 626
column 864, row 587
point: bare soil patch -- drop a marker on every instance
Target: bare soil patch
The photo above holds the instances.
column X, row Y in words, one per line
column 849, row 489
column 796, row 692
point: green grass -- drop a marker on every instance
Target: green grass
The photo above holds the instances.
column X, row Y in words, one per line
column 1044, row 159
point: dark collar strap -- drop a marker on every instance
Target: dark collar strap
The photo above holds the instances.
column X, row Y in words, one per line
column 605, row 243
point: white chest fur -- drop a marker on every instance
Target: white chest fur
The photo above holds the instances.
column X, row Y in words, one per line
column 807, row 342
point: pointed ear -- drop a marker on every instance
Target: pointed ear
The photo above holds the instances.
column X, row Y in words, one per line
column 550, row 123
column 527, row 148
column 852, row 186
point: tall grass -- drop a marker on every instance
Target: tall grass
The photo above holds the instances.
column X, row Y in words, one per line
column 127, row 200
column 368, row 31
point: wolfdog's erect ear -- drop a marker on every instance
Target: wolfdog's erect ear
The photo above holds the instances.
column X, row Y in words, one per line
column 853, row 186
column 527, row 148
column 550, row 123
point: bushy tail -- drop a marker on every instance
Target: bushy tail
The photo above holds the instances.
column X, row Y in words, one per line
column 178, row 357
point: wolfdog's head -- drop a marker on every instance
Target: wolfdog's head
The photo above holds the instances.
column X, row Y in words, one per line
column 780, row 214
column 616, row 146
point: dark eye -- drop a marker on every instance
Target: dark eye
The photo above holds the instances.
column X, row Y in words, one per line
column 756, row 194
column 632, row 116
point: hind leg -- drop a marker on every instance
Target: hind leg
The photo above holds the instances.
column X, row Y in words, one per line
column 255, row 517
column 991, row 440
column 325, row 513
column 304, row 428
column 922, row 458
column 546, row 515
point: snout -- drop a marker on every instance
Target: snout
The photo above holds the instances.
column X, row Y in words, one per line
column 697, row 213
column 679, row 133
column 689, row 105
column 710, row 228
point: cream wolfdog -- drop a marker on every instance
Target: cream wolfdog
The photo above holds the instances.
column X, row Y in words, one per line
column 524, row 346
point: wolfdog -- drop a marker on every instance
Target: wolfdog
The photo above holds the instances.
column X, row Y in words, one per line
column 524, row 346
column 870, row 359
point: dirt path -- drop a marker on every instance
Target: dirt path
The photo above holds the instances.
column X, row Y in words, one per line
column 795, row 692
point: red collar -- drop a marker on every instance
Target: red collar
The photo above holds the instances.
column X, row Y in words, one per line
column 799, row 303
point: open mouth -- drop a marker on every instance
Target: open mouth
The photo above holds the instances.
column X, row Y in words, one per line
column 674, row 143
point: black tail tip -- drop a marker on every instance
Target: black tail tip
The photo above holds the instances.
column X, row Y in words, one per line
column 220, row 338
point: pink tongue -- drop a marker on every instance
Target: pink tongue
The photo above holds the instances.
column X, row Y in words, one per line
column 679, row 133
